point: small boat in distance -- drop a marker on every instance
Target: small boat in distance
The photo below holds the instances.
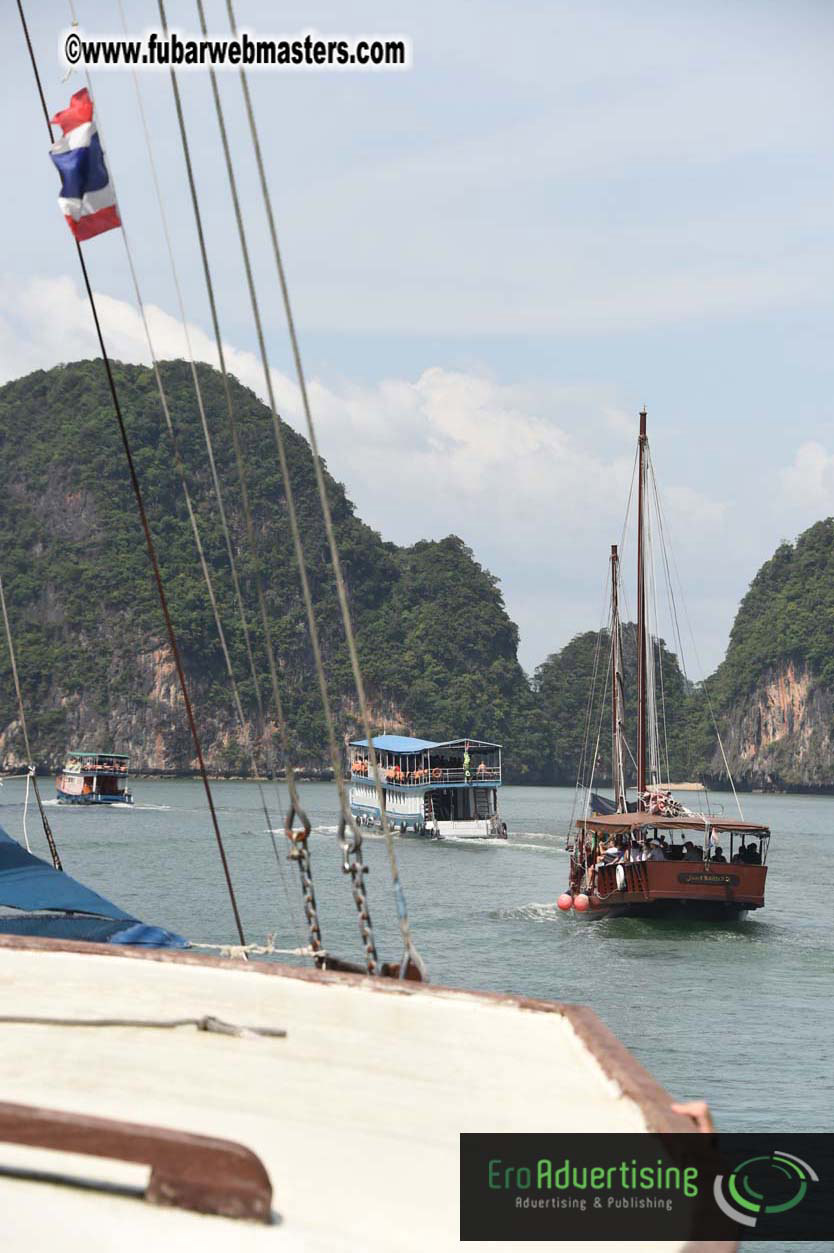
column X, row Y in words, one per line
column 624, row 858
column 94, row 779
column 429, row 788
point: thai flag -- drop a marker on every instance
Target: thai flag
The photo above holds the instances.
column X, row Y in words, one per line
column 87, row 198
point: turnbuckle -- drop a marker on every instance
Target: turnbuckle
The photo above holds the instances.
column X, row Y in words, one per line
column 297, row 836
column 350, row 842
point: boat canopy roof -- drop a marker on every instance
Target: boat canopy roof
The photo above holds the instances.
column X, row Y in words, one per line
column 683, row 822
column 408, row 744
column 76, row 752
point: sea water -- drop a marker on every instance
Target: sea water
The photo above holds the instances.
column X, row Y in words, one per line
column 740, row 1013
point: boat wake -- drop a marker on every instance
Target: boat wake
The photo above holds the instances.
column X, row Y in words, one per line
column 534, row 912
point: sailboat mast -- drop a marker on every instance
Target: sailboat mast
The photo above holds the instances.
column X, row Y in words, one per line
column 641, row 611
column 617, row 755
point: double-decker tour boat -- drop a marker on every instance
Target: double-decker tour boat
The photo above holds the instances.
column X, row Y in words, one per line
column 94, row 779
column 652, row 856
column 448, row 789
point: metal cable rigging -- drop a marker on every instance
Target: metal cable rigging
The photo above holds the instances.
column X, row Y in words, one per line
column 243, row 723
column 149, row 541
column 298, row 837
column 352, row 848
column 351, row 844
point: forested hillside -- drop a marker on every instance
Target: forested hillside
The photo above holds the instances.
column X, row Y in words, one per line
column 563, row 684
column 438, row 649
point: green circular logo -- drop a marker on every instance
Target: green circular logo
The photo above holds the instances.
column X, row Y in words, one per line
column 770, row 1184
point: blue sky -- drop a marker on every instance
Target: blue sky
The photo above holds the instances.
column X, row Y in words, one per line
column 560, row 212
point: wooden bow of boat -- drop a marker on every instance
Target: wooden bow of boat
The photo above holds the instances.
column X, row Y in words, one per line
column 356, row 1114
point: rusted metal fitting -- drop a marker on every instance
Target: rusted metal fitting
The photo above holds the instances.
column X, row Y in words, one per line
column 296, row 835
column 350, row 842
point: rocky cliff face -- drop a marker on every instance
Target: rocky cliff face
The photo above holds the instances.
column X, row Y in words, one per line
column 782, row 736
column 774, row 691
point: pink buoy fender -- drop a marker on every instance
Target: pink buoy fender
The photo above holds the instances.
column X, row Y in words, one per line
column 565, row 901
column 581, row 903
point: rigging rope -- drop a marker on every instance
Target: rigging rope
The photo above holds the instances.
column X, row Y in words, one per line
column 580, row 771
column 346, row 818
column 297, row 836
column 47, row 830
column 26, row 811
column 218, row 495
column 149, row 541
column 667, row 550
column 656, row 644
column 410, row 952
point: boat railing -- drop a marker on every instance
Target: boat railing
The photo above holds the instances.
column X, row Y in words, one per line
column 487, row 774
column 421, row 777
column 82, row 767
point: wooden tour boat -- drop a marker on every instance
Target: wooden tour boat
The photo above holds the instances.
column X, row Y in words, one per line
column 625, row 858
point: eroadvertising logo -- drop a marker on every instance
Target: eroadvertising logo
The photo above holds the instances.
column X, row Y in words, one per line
column 783, row 1176
column 646, row 1187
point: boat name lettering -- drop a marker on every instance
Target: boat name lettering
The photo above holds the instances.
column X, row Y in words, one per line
column 709, row 878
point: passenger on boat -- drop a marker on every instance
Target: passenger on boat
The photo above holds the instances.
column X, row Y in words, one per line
column 598, row 861
column 691, row 853
column 612, row 854
column 481, row 771
column 655, row 852
column 718, row 854
column 750, row 855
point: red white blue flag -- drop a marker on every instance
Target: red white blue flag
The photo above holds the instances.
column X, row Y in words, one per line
column 87, row 198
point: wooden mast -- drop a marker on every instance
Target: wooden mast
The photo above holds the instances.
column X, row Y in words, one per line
column 617, row 756
column 641, row 613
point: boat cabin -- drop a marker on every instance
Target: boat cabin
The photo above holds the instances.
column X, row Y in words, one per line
column 429, row 787
column 94, row 778
column 639, row 862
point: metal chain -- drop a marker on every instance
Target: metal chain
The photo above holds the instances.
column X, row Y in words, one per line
column 353, row 865
column 300, row 854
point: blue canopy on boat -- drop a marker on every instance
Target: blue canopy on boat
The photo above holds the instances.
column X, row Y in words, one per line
column 396, row 744
column 28, row 883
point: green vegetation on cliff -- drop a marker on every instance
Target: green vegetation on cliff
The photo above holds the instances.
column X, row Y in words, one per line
column 563, row 685
column 786, row 616
column 437, row 647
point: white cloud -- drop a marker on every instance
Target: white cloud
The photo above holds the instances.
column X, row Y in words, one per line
column 809, row 482
column 534, row 479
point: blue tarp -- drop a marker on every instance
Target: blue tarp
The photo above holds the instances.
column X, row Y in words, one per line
column 96, row 930
column 28, row 883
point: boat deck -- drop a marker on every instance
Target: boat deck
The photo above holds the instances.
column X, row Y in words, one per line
column 356, row 1114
